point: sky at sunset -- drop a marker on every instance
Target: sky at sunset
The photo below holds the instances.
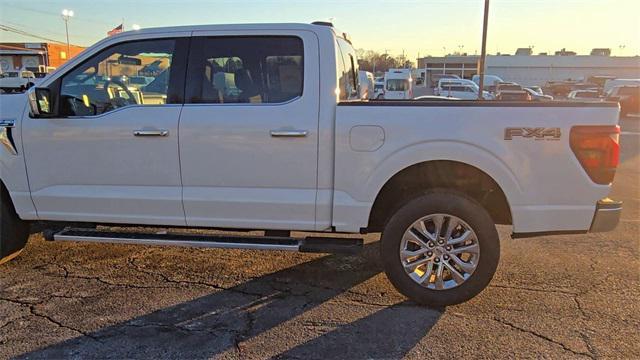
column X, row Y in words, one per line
column 423, row 27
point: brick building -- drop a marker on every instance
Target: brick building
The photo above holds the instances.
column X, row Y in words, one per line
column 29, row 56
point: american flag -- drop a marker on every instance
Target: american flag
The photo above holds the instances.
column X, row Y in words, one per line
column 116, row 30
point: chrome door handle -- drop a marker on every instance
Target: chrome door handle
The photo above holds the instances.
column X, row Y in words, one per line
column 289, row 133
column 144, row 132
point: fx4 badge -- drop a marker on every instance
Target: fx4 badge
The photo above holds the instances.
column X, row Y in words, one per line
column 535, row 133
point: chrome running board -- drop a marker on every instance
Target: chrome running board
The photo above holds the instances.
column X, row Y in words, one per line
column 308, row 244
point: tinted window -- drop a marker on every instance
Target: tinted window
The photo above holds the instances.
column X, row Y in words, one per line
column 246, row 69
column 103, row 83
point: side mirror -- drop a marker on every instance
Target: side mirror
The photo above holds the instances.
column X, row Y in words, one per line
column 40, row 102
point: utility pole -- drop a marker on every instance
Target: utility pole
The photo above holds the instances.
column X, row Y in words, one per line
column 66, row 15
column 483, row 52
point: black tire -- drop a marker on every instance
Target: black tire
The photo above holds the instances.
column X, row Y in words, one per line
column 14, row 232
column 441, row 201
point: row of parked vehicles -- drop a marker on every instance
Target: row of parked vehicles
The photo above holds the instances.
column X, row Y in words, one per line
column 397, row 84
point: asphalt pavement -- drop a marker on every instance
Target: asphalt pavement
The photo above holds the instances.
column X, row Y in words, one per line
column 573, row 296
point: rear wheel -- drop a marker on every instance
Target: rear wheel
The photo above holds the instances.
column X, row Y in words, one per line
column 440, row 249
column 13, row 231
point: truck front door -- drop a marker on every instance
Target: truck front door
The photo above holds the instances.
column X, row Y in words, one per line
column 249, row 130
column 110, row 152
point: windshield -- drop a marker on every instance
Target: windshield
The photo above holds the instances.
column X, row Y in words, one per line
column 397, row 85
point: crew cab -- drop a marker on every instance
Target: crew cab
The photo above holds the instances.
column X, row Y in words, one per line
column 261, row 127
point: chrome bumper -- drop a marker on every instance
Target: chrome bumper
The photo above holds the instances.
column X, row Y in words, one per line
column 607, row 215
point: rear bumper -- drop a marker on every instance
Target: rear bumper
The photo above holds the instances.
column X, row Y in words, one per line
column 607, row 215
column 605, row 218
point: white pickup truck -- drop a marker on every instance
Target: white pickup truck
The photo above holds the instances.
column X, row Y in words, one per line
column 261, row 127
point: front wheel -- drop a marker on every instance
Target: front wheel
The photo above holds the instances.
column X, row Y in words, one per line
column 440, row 249
column 13, row 231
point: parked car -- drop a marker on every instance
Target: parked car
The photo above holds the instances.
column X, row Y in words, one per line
column 559, row 88
column 600, row 80
column 398, row 84
column 289, row 146
column 16, row 81
column 463, row 91
column 510, row 91
column 537, row 96
column 611, row 83
column 536, row 89
column 629, row 98
column 584, row 95
column 513, row 95
column 490, row 81
column 508, row 86
column 378, row 90
column 436, row 77
column 448, row 81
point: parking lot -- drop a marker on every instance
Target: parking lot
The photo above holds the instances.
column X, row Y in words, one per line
column 573, row 296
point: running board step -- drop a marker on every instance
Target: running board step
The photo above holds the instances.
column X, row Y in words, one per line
column 309, row 244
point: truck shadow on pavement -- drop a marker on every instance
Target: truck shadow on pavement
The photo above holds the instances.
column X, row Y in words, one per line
column 241, row 321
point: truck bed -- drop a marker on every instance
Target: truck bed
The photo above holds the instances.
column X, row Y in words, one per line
column 546, row 187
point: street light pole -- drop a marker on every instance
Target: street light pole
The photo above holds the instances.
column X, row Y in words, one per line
column 483, row 52
column 66, row 15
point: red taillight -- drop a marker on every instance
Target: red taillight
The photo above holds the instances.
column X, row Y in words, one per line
column 598, row 150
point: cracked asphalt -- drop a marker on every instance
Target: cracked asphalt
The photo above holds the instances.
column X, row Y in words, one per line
column 552, row 297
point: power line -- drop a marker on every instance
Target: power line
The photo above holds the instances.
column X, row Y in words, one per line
column 25, row 28
column 43, row 12
column 25, row 33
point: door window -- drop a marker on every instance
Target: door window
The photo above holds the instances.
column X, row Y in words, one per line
column 132, row 73
column 228, row 70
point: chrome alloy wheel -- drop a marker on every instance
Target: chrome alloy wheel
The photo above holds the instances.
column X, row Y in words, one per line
column 439, row 251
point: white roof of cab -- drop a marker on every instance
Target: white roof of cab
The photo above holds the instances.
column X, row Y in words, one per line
column 228, row 27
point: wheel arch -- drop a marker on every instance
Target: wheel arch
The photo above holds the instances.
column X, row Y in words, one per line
column 415, row 179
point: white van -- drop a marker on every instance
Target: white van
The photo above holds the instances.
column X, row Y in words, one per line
column 398, row 84
column 610, row 84
column 366, row 81
column 463, row 91
column 447, row 82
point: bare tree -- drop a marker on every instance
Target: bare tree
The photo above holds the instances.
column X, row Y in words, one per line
column 373, row 61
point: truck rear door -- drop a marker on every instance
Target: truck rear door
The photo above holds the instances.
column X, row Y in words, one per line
column 249, row 130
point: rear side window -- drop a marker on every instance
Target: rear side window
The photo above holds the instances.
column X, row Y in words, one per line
column 347, row 70
column 228, row 70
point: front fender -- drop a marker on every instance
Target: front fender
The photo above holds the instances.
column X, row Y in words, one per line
column 13, row 172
